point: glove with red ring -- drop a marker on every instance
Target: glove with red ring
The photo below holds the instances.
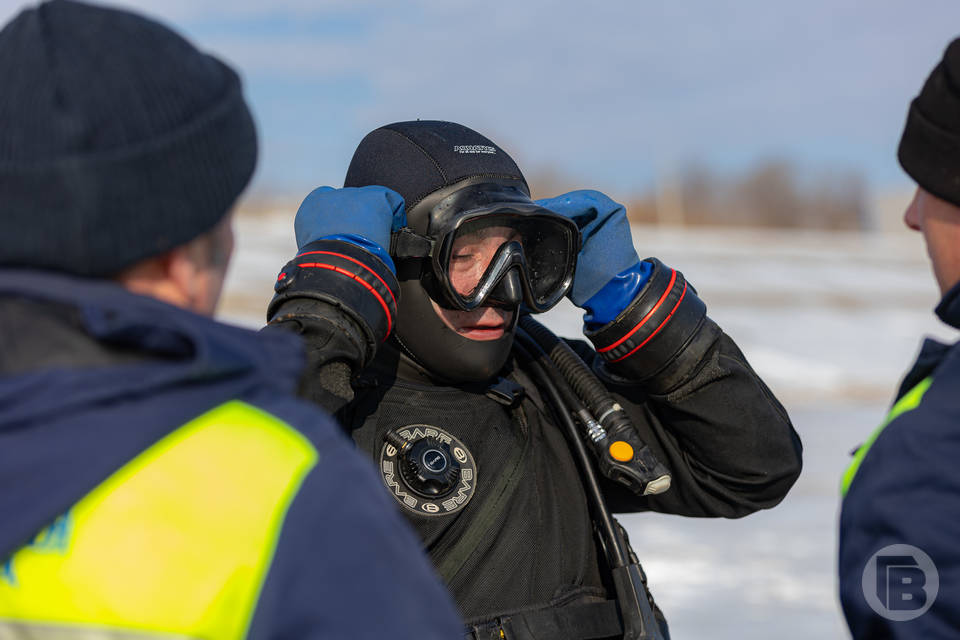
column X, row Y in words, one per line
column 662, row 336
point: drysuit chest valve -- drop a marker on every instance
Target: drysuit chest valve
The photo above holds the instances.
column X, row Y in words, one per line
column 427, row 469
column 426, row 465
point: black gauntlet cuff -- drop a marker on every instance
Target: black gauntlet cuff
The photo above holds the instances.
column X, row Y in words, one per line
column 343, row 275
column 662, row 336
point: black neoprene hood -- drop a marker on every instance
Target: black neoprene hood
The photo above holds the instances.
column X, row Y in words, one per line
column 417, row 159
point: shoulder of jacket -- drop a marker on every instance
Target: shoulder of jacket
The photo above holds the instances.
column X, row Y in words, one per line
column 317, row 426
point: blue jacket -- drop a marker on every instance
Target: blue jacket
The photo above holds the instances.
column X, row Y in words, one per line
column 157, row 449
column 903, row 488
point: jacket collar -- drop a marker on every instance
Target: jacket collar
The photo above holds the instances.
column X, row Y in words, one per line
column 173, row 346
column 949, row 308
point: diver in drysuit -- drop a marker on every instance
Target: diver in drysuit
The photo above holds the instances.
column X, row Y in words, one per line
column 409, row 287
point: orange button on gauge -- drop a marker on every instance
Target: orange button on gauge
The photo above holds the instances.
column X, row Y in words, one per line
column 621, row 451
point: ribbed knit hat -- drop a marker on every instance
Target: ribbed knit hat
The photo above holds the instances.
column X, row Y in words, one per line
column 930, row 145
column 118, row 139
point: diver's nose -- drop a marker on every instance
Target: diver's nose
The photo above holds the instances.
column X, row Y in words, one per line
column 508, row 292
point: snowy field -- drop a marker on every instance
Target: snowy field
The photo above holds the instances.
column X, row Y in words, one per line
column 830, row 320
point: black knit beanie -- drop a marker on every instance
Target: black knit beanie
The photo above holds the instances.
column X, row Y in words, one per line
column 930, row 145
column 118, row 139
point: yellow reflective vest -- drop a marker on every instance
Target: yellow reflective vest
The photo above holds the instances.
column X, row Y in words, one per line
column 175, row 544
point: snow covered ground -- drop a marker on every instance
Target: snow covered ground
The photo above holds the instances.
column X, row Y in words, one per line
column 830, row 320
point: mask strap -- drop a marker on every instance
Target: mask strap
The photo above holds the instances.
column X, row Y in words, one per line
column 406, row 243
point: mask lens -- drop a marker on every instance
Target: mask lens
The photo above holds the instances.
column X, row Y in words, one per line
column 546, row 253
column 546, row 247
column 474, row 246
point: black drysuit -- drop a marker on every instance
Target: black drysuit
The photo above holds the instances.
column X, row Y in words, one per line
column 525, row 541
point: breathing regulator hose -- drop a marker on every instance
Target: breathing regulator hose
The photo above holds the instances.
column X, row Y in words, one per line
column 621, row 454
column 637, row 610
column 560, row 396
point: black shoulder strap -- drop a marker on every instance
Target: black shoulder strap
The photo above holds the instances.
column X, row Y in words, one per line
column 521, row 377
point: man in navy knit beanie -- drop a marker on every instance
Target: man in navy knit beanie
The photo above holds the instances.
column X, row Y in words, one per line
column 158, row 477
column 898, row 560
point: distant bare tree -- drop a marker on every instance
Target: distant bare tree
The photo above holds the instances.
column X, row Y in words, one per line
column 774, row 193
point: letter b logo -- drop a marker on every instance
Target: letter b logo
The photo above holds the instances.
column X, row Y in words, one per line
column 900, row 582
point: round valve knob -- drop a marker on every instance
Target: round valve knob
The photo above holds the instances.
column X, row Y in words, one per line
column 428, row 467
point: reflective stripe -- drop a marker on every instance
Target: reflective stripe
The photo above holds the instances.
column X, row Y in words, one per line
column 909, row 401
column 31, row 631
column 176, row 542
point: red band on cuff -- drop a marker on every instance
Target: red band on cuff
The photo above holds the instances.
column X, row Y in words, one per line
column 673, row 279
column 657, row 330
column 368, row 286
column 355, row 261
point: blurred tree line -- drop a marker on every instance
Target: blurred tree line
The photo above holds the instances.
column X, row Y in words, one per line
column 773, row 193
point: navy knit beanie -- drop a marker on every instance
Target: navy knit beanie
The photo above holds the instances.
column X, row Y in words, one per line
column 930, row 146
column 118, row 139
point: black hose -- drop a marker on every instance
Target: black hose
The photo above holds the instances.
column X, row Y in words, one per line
column 544, row 353
column 574, row 370
column 613, row 545
column 644, row 474
column 536, row 351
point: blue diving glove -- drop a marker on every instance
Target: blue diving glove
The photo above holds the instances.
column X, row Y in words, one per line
column 609, row 273
column 364, row 216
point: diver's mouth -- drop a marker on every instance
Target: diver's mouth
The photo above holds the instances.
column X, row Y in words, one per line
column 484, row 331
column 485, row 323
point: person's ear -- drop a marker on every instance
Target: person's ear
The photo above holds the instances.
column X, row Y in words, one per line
column 182, row 271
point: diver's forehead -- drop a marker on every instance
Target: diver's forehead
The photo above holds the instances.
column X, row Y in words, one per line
column 484, row 232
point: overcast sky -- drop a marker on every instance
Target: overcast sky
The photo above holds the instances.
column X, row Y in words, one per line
column 613, row 93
